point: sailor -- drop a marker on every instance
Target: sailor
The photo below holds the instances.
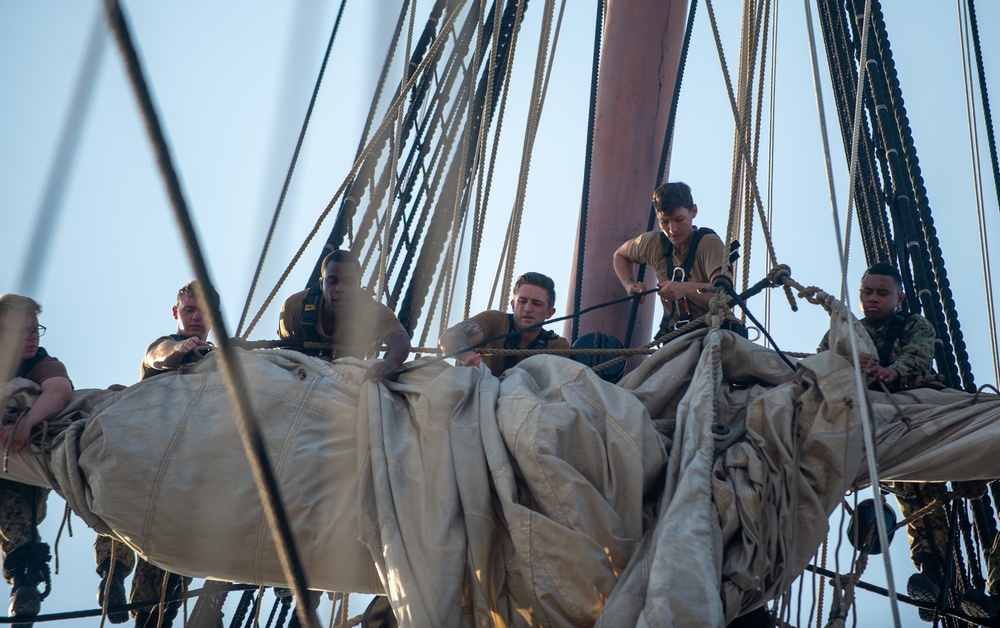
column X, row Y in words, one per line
column 22, row 506
column 340, row 315
column 533, row 302
column 905, row 345
column 686, row 260
column 114, row 559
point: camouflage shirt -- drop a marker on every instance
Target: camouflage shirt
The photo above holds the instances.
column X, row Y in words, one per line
column 911, row 353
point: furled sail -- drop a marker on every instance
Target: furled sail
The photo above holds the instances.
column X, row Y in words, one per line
column 690, row 493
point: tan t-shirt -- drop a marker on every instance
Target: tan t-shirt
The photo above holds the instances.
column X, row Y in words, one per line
column 647, row 248
column 365, row 325
column 496, row 323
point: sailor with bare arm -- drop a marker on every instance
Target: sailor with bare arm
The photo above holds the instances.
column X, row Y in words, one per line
column 685, row 258
column 115, row 560
column 338, row 315
column 533, row 302
column 22, row 506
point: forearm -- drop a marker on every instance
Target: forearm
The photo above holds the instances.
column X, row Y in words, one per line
column 164, row 355
column 461, row 336
column 399, row 347
column 56, row 393
column 624, row 270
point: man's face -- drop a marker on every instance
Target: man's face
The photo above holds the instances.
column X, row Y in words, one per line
column 190, row 321
column 21, row 332
column 880, row 295
column 677, row 225
column 531, row 306
column 341, row 282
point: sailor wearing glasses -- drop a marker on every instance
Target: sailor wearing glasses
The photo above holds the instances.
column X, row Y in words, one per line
column 22, row 506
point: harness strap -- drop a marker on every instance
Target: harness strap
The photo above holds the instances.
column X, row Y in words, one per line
column 898, row 325
column 310, row 313
column 513, row 341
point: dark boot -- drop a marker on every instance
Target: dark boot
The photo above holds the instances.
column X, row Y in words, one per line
column 977, row 604
column 150, row 617
column 112, row 590
column 25, row 568
column 926, row 585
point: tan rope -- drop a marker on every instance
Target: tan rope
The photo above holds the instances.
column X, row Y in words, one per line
column 531, row 129
column 401, row 96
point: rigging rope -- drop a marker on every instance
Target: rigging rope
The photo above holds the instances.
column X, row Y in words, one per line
column 291, row 170
column 245, row 418
column 354, row 169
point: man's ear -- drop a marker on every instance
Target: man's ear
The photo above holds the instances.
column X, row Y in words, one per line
column 552, row 311
column 694, row 210
column 173, row 311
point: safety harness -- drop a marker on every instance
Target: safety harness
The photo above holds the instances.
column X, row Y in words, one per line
column 679, row 274
column 513, row 341
column 898, row 325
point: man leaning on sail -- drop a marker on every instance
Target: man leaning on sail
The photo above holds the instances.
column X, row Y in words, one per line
column 532, row 303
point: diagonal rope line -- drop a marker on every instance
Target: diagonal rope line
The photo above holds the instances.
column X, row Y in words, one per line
column 291, row 169
column 246, row 421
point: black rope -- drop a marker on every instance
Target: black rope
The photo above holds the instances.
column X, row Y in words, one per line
column 668, row 138
column 740, row 300
column 291, row 169
column 141, row 604
column 581, row 237
column 246, row 421
column 985, row 96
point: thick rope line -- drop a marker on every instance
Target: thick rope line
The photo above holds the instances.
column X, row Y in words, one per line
column 291, row 170
column 66, row 152
column 977, row 176
column 432, row 52
column 246, row 420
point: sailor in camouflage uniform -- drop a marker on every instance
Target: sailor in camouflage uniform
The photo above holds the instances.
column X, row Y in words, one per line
column 905, row 345
column 114, row 559
column 22, row 507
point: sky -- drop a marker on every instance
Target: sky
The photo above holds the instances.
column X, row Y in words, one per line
column 231, row 81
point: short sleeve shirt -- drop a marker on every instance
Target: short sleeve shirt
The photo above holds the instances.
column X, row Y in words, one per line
column 41, row 367
column 360, row 329
column 647, row 248
column 497, row 323
column 147, row 369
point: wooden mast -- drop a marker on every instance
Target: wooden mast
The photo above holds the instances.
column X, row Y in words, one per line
column 639, row 62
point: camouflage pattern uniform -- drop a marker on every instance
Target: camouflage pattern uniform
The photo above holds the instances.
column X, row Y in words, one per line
column 17, row 522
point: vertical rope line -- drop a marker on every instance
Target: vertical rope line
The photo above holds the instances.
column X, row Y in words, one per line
column 866, row 425
column 977, row 182
column 770, row 146
column 291, row 169
column 534, row 113
column 479, row 213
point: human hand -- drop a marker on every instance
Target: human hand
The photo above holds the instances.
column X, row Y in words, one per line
column 190, row 344
column 16, row 439
column 384, row 369
column 469, row 358
column 884, row 374
column 670, row 290
column 637, row 288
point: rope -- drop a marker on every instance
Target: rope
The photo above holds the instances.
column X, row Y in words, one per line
column 246, row 421
column 291, row 169
column 432, row 52
column 588, row 160
column 534, row 113
column 984, row 249
column 479, row 211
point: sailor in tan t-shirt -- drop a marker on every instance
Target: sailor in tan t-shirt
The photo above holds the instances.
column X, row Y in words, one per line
column 696, row 257
column 532, row 303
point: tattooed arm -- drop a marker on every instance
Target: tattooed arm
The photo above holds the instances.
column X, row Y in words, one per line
column 462, row 336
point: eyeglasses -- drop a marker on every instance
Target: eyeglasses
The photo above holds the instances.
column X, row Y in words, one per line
column 26, row 332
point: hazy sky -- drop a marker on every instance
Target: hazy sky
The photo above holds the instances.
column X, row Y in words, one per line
column 231, row 82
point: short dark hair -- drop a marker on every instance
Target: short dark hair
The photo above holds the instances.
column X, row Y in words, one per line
column 670, row 196
column 190, row 289
column 542, row 281
column 884, row 269
column 24, row 306
column 340, row 256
